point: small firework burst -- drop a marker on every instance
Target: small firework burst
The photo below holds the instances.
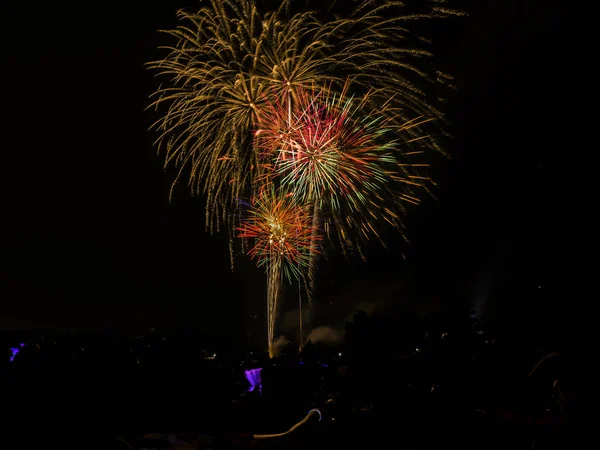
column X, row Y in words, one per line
column 282, row 232
column 283, row 238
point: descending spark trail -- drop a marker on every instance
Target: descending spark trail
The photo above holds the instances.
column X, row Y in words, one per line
column 283, row 237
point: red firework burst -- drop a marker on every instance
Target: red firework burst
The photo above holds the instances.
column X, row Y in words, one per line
column 282, row 232
column 323, row 146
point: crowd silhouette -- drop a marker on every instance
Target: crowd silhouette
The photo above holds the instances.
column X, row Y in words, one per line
column 425, row 383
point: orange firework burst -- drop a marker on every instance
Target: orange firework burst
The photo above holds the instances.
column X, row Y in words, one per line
column 282, row 232
column 284, row 238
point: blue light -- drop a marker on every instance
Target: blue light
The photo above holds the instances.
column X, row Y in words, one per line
column 14, row 352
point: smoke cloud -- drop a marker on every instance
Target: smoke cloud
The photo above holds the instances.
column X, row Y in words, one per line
column 326, row 335
column 279, row 344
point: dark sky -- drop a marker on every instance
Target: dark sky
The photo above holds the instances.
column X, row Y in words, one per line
column 89, row 239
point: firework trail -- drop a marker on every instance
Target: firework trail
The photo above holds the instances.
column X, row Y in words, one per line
column 283, row 235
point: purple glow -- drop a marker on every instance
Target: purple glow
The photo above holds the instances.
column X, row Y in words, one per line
column 253, row 377
column 325, row 365
column 14, row 352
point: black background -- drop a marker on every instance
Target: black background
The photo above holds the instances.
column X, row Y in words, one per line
column 89, row 240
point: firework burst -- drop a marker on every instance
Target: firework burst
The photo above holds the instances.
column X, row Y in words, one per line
column 224, row 61
column 229, row 57
column 281, row 231
column 283, row 236
column 348, row 161
column 253, row 110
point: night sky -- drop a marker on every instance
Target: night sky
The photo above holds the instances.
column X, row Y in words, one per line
column 89, row 239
